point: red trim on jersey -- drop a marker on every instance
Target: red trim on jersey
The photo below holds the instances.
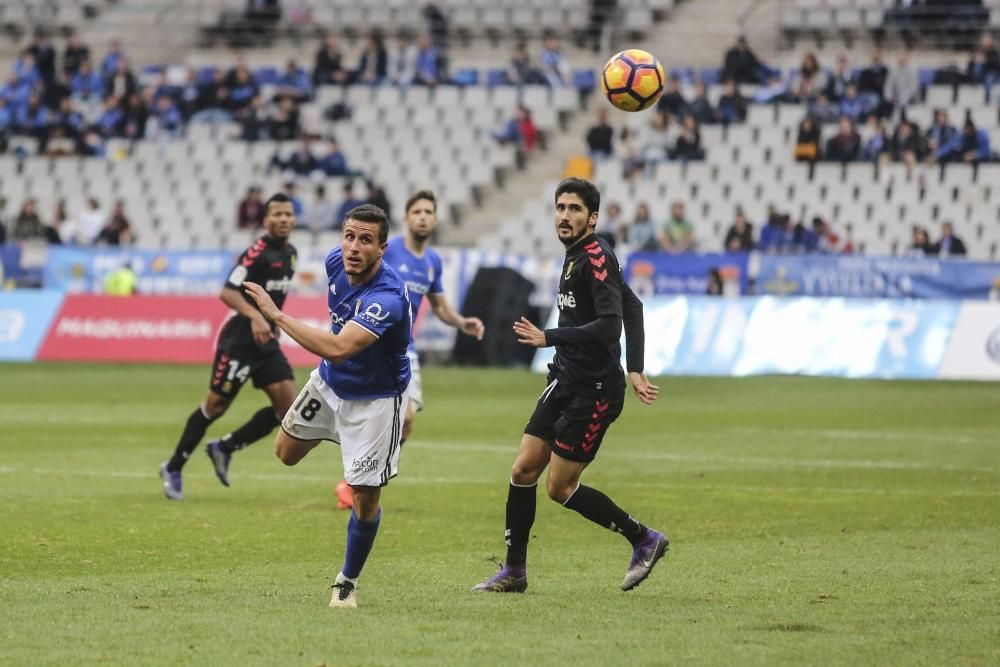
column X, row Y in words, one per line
column 595, row 250
column 601, row 275
column 599, row 261
column 563, row 445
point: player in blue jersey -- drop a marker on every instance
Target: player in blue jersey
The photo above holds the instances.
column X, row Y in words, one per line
column 357, row 396
column 420, row 268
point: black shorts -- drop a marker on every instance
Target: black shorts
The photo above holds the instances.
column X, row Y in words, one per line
column 233, row 366
column 573, row 424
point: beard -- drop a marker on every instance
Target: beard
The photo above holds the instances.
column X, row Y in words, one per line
column 569, row 241
column 420, row 237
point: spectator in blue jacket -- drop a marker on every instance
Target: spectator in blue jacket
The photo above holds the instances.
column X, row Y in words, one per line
column 426, row 67
column 777, row 236
column 969, row 145
column 294, row 83
column 334, row 163
column 86, row 85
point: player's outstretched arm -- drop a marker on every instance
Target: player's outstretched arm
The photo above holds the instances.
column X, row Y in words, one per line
column 325, row 344
column 473, row 326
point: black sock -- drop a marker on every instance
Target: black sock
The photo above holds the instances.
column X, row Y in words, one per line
column 520, row 517
column 600, row 509
column 262, row 423
column 194, row 431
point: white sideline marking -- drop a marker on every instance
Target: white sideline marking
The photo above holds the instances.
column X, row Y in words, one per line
column 858, row 434
column 756, row 460
column 414, row 481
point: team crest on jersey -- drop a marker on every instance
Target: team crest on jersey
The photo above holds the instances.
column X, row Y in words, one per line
column 292, row 261
column 374, row 312
column 569, row 269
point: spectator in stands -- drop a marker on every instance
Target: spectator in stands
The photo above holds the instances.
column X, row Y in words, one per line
column 838, row 80
column 871, row 81
column 921, row 245
column 28, row 226
column 688, row 146
column 426, row 67
column 121, row 83
column 700, row 107
column 672, row 101
column 68, row 121
column 88, row 225
column 136, row 115
column 742, row 65
column 209, row 99
column 250, row 212
column 820, row 239
column 845, row 146
column 600, row 137
column 328, row 67
column 240, row 87
column 984, row 64
column 939, row 134
column 776, row 237
column 91, row 144
column 874, row 142
column 53, row 231
column 374, row 64
column 739, row 237
column 653, row 143
column 403, row 64
column 33, row 119
column 377, row 197
column 519, row 130
column 677, row 235
column 334, row 163
column 852, row 106
column 86, row 86
column 45, row 57
column 902, row 88
column 949, row 245
column 302, row 161
column 906, row 146
column 521, row 69
column 555, row 69
column 118, row 231
column 437, row 26
column 284, row 121
column 75, row 54
column 263, row 14
column 289, row 189
column 321, row 213
column 165, row 122
column 970, row 145
column 732, row 105
column 614, row 230
column 809, row 82
column 254, row 121
column 293, row 83
column 641, row 234
column 6, row 124
column 109, row 65
column 807, row 141
column 349, row 202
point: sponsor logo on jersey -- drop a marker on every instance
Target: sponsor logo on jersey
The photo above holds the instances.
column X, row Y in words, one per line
column 364, row 465
column 374, row 313
column 566, row 301
column 238, row 275
column 417, row 288
column 282, row 285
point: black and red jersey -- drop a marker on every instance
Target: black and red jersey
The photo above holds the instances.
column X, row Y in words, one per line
column 269, row 263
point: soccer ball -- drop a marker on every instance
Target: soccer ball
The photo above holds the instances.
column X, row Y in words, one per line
column 632, row 80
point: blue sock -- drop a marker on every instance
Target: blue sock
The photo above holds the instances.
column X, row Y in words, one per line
column 360, row 538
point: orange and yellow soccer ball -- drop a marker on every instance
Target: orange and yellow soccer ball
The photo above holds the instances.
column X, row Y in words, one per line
column 632, row 80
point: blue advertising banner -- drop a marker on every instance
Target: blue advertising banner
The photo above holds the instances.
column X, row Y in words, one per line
column 808, row 336
column 875, row 277
column 25, row 317
column 657, row 273
column 158, row 272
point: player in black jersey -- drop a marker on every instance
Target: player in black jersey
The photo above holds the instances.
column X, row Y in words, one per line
column 247, row 348
column 585, row 394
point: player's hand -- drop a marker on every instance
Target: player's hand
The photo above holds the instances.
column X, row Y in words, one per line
column 473, row 326
column 267, row 309
column 528, row 334
column 645, row 391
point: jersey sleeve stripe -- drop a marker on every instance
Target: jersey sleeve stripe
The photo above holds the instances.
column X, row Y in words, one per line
column 377, row 336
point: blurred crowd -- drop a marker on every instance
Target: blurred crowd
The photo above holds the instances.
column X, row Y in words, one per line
column 92, row 225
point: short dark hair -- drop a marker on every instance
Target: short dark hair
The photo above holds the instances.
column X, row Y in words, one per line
column 585, row 190
column 371, row 213
column 421, row 194
column 276, row 198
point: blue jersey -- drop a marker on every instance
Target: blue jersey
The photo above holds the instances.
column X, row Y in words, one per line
column 422, row 275
column 381, row 306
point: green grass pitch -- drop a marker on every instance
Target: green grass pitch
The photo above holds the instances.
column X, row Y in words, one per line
column 812, row 521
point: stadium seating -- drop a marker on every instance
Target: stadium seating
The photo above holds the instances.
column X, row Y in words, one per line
column 751, row 166
column 17, row 17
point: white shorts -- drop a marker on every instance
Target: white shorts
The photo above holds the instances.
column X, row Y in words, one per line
column 416, row 389
column 368, row 431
